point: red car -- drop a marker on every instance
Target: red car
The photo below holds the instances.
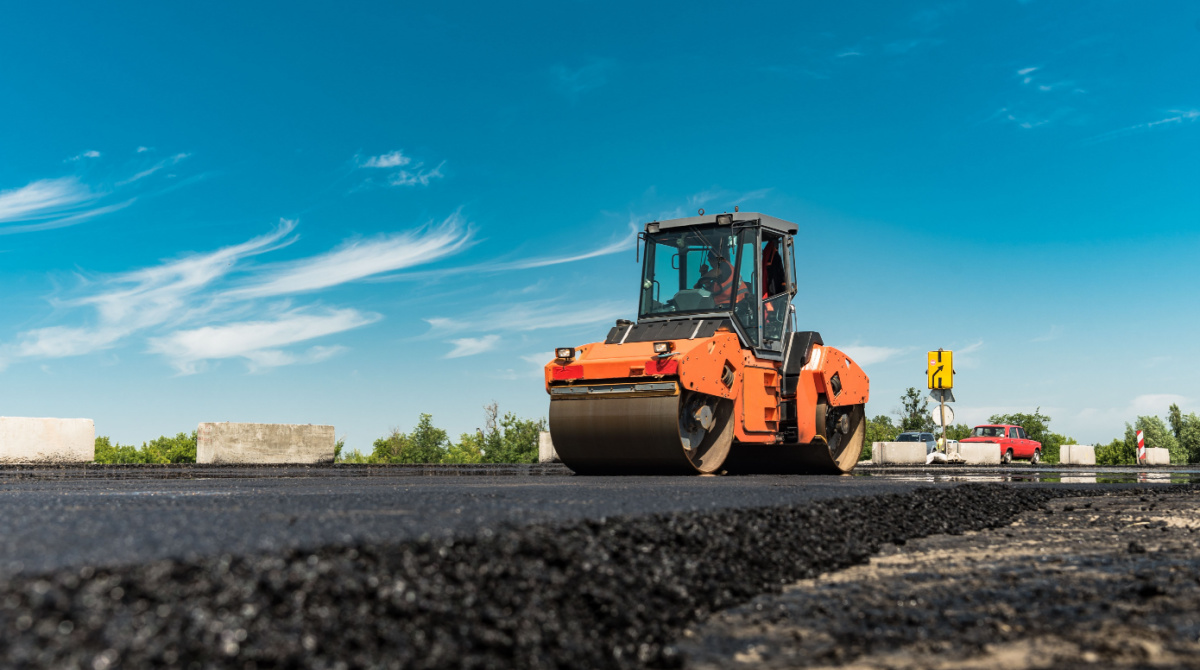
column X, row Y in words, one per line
column 1013, row 441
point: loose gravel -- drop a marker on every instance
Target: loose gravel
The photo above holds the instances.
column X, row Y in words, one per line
column 594, row 594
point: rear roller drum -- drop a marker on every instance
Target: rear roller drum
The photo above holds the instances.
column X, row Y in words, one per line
column 835, row 449
column 845, row 431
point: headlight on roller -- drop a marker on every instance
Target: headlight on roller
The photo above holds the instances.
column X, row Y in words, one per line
column 565, row 353
column 662, row 348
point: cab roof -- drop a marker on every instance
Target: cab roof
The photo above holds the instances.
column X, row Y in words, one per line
column 769, row 222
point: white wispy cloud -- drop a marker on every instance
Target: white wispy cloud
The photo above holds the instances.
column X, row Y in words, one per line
column 59, row 202
column 173, row 160
column 359, row 259
column 624, row 244
column 417, row 177
column 135, row 301
column 44, row 199
column 1053, row 334
column 530, row 316
column 868, row 355
column 849, row 53
column 577, row 81
column 520, row 318
column 540, row 360
column 186, row 311
column 413, row 174
column 1154, row 404
column 389, row 160
column 616, row 246
column 470, row 346
column 258, row 342
column 1178, row 118
column 965, row 358
column 87, row 154
column 1021, row 119
column 731, row 197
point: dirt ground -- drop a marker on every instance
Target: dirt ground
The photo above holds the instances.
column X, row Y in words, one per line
column 1109, row 581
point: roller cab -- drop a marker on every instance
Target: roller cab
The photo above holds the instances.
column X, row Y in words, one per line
column 713, row 376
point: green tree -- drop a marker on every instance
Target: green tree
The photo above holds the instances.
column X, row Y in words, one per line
column 468, row 450
column 879, row 429
column 1117, row 452
column 1175, row 418
column 1157, row 435
column 178, row 449
column 1189, row 437
column 958, row 431
column 914, row 412
column 425, row 444
column 109, row 452
column 509, row 439
column 389, row 449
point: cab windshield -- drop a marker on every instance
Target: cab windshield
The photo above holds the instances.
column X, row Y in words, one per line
column 700, row 269
column 988, row 431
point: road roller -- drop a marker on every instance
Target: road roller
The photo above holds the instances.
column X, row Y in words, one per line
column 714, row 376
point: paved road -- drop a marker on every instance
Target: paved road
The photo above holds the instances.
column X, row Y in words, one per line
column 115, row 516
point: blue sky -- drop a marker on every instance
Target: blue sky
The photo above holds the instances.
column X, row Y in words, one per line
column 298, row 212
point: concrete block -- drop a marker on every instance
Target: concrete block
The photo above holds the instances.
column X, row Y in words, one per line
column 264, row 443
column 1077, row 454
column 1158, row 456
column 897, row 453
column 27, row 440
column 975, row 453
column 546, row 452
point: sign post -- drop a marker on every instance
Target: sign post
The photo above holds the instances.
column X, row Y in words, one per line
column 1141, row 451
column 940, row 374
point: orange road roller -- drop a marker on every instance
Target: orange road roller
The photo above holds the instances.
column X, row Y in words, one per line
column 713, row 377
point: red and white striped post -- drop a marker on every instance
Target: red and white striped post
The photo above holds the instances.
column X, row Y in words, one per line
column 1141, row 454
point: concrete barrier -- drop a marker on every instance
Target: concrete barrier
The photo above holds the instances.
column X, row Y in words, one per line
column 264, row 443
column 1158, row 456
column 546, row 452
column 975, row 453
column 897, row 453
column 1077, row 454
column 27, row 440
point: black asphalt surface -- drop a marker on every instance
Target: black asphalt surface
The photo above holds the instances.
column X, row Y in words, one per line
column 119, row 517
column 392, row 568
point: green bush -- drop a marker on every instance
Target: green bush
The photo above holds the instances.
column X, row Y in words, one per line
column 507, row 439
column 178, row 449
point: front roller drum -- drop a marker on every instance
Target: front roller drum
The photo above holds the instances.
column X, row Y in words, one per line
column 685, row 433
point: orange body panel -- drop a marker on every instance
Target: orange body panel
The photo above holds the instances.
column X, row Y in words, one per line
column 719, row 366
column 757, row 408
column 855, row 387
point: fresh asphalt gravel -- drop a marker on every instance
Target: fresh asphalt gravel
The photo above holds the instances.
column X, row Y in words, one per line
column 424, row 572
column 1099, row 582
